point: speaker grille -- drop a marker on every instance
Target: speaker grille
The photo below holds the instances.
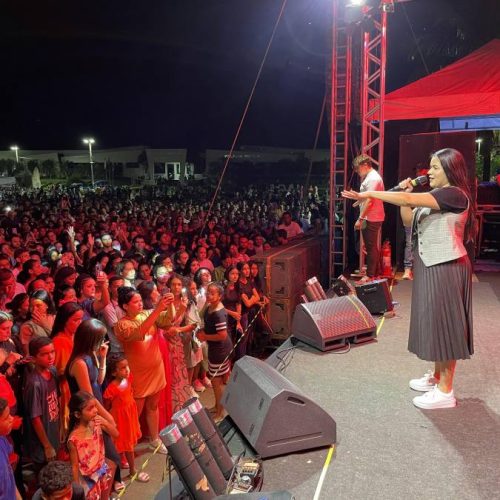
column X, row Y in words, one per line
column 324, row 322
column 342, row 315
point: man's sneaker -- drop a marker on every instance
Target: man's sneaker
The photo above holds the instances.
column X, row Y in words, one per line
column 198, row 386
column 408, row 274
column 424, row 384
column 435, row 399
column 206, row 382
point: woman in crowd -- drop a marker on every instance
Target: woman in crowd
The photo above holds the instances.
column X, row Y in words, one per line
column 40, row 318
column 193, row 352
column 443, row 223
column 150, row 298
column 260, row 310
column 68, row 319
column 232, row 303
column 138, row 331
column 192, row 266
column 65, row 294
column 177, row 336
column 19, row 307
column 249, row 299
column 85, row 287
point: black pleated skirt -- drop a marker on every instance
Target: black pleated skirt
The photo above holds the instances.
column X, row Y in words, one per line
column 441, row 310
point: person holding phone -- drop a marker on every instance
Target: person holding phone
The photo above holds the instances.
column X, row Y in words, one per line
column 138, row 331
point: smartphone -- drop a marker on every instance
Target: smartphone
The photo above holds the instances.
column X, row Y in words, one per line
column 184, row 293
column 98, row 269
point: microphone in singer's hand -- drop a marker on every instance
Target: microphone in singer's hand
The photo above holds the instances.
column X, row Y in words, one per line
column 422, row 180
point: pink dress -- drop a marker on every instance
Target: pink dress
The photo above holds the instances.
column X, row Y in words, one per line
column 91, row 461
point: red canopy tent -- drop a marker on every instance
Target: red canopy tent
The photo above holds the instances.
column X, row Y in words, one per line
column 468, row 87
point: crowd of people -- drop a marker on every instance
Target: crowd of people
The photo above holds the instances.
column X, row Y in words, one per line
column 116, row 307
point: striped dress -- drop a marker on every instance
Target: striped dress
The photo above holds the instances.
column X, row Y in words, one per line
column 218, row 350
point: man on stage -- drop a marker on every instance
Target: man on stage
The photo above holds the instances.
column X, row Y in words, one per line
column 371, row 215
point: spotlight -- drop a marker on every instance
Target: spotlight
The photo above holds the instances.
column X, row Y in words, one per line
column 356, row 3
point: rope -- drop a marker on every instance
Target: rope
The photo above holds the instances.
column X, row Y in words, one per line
column 250, row 97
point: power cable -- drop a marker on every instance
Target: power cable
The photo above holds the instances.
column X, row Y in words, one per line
column 245, row 111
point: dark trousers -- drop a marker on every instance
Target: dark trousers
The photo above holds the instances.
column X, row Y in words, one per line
column 371, row 240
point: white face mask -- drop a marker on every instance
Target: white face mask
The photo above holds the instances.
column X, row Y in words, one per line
column 117, row 247
column 130, row 275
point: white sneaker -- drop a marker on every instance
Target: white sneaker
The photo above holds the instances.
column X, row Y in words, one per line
column 435, row 399
column 198, row 386
column 424, row 384
column 194, row 394
column 408, row 274
column 206, row 382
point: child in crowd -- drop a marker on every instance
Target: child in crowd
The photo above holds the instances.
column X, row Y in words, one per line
column 7, row 484
column 219, row 343
column 41, row 404
column 56, row 483
column 86, row 446
column 119, row 401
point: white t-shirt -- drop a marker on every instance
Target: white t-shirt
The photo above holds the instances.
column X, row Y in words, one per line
column 373, row 182
column 292, row 230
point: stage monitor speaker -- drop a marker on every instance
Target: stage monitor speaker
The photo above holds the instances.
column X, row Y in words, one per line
column 376, row 296
column 259, row 495
column 329, row 324
column 273, row 414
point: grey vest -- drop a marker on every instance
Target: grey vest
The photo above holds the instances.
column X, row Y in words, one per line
column 440, row 235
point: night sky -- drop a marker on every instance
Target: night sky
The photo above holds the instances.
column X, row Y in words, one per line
column 178, row 73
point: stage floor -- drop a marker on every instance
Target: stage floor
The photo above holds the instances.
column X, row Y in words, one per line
column 386, row 447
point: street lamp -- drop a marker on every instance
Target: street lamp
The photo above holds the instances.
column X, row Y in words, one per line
column 90, row 141
column 479, row 140
column 16, row 150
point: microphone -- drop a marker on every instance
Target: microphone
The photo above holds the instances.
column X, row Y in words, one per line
column 421, row 180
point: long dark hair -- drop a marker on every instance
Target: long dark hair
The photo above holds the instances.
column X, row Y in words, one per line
column 76, row 405
column 63, row 314
column 145, row 290
column 456, row 171
column 88, row 336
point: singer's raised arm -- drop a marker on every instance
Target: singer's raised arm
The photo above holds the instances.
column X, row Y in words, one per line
column 401, row 199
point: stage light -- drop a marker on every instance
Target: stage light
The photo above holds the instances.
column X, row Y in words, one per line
column 479, row 140
column 356, row 3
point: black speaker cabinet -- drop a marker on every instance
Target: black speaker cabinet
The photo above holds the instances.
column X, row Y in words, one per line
column 329, row 324
column 272, row 413
column 376, row 296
